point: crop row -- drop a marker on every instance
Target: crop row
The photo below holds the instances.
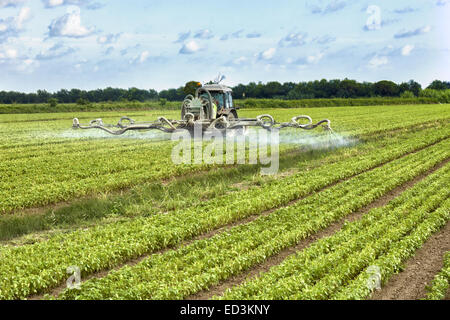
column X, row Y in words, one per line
column 38, row 133
column 329, row 264
column 314, row 176
column 179, row 273
column 72, row 169
column 392, row 261
column 61, row 182
column 360, row 121
column 43, row 265
column 120, row 242
column 440, row 285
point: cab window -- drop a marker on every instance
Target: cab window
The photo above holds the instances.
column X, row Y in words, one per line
column 219, row 98
column 229, row 100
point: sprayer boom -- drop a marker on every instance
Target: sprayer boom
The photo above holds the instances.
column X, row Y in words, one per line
column 210, row 109
column 220, row 124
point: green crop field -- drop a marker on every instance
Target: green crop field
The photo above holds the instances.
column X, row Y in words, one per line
column 347, row 220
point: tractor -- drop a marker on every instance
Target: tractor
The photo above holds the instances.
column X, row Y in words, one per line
column 211, row 108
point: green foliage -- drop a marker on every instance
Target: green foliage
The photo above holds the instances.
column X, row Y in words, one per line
column 323, row 89
column 399, row 144
column 386, row 89
column 162, row 102
column 442, row 96
column 209, row 261
column 336, row 267
column 113, row 244
column 82, row 102
column 439, row 85
column 441, row 282
column 407, row 95
column 53, row 102
column 191, row 87
column 319, row 103
column 124, row 105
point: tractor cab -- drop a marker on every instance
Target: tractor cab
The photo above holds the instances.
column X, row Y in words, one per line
column 223, row 99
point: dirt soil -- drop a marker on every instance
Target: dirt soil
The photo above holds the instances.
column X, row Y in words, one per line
column 419, row 271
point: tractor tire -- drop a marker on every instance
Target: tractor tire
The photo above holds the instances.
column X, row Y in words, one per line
column 240, row 131
column 232, row 115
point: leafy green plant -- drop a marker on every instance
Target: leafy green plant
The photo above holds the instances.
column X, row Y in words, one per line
column 441, row 282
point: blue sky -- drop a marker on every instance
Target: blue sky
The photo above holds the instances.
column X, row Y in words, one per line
column 88, row 44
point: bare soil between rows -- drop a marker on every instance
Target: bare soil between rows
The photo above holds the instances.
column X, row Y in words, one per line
column 419, row 271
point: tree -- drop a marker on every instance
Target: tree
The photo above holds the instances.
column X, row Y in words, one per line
column 43, row 96
column 439, row 85
column 386, row 88
column 272, row 89
column 407, row 94
column 349, row 88
column 52, row 102
column 191, row 87
column 415, row 87
column 162, row 102
column 82, row 102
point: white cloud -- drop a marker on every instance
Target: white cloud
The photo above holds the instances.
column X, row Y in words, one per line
column 204, row 34
column 268, row 54
column 24, row 15
column 315, row 58
column 54, row 3
column 27, row 65
column 333, row 6
column 140, row 58
column 406, row 50
column 253, row 35
column 442, row 2
column 412, row 33
column 190, row 47
column 144, row 56
column 56, row 51
column 9, row 54
column 18, row 62
column 10, row 3
column 294, row 40
column 69, row 25
column 12, row 26
column 237, row 34
column 241, row 61
column 108, row 38
column 58, row 3
column 182, row 37
column 376, row 62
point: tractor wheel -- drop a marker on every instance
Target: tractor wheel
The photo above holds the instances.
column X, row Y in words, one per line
column 239, row 131
column 232, row 115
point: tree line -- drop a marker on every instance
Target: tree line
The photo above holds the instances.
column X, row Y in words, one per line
column 272, row 90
